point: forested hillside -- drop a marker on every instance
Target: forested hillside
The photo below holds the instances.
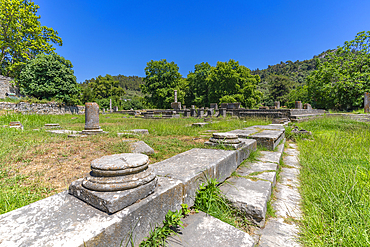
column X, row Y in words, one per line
column 286, row 81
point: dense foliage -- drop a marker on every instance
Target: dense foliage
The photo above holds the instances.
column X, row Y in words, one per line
column 234, row 81
column 162, row 78
column 21, row 35
column 198, row 89
column 49, row 77
column 341, row 81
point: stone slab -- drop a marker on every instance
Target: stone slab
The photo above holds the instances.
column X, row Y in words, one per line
column 199, row 124
column 257, row 166
column 243, row 133
column 249, row 196
column 192, row 167
column 206, row 231
column 141, row 147
column 270, row 157
column 214, row 144
column 63, row 131
column 278, row 233
column 292, row 161
column 111, row 202
column 269, row 176
column 289, row 177
column 269, row 138
column 287, row 201
column 64, row 220
column 137, row 131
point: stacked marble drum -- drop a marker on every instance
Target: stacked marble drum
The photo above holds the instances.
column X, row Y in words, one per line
column 225, row 139
column 116, row 181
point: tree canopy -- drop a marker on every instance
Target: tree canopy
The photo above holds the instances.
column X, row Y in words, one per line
column 162, row 78
column 233, row 80
column 22, row 36
column 198, row 88
column 341, row 80
column 49, row 77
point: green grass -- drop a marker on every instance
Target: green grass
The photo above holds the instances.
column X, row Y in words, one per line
column 22, row 150
column 211, row 200
column 335, row 183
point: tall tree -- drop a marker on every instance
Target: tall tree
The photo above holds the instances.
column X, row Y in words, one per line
column 279, row 88
column 197, row 92
column 21, row 35
column 48, row 77
column 233, row 80
column 340, row 82
column 106, row 87
column 162, row 78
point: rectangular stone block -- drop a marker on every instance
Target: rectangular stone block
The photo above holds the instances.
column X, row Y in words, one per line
column 249, row 196
column 244, row 152
column 206, row 231
column 64, row 220
column 193, row 166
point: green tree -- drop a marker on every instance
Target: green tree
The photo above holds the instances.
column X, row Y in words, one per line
column 230, row 78
column 162, row 78
column 197, row 91
column 21, row 35
column 106, row 87
column 279, row 88
column 340, row 81
column 48, row 77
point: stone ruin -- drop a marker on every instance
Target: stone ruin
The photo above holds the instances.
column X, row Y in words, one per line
column 116, row 181
column 92, row 119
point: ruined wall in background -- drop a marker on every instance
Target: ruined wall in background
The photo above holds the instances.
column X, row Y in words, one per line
column 6, row 86
column 38, row 108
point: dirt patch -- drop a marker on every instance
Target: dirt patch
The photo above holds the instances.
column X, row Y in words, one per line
column 58, row 164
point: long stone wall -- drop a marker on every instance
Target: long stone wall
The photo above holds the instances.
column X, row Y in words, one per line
column 6, row 87
column 37, row 108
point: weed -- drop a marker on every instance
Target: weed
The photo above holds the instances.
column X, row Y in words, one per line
column 210, row 200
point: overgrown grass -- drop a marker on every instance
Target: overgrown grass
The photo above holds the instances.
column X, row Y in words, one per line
column 27, row 158
column 335, row 183
column 210, row 200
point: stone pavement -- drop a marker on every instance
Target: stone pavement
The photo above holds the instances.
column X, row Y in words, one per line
column 283, row 231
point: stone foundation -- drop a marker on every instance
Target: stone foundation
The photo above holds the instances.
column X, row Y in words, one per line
column 37, row 108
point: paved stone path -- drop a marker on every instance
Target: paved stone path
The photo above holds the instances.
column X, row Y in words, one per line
column 282, row 230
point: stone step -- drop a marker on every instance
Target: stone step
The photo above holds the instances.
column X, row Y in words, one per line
column 194, row 166
column 268, row 136
column 250, row 193
column 206, row 231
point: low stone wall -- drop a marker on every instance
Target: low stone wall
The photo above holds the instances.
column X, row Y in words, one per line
column 37, row 108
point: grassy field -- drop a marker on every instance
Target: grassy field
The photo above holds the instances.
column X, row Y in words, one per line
column 335, row 183
column 35, row 164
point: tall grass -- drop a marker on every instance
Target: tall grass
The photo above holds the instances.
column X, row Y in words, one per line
column 335, row 183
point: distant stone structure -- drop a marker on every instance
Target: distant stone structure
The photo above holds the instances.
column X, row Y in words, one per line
column 277, row 104
column 367, row 103
column 6, row 87
column 175, row 105
column 92, row 119
column 298, row 105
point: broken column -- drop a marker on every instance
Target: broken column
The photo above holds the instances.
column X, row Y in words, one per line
column 222, row 112
column 277, row 104
column 116, row 181
column 367, row 103
column 201, row 112
column 92, row 119
column 225, row 139
column 298, row 105
column 193, row 112
column 175, row 105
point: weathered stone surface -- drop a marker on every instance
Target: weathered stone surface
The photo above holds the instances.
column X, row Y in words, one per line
column 52, row 126
column 269, row 138
column 199, row 124
column 112, row 201
column 141, row 147
column 243, row 152
column 63, row 131
column 224, row 141
column 256, row 167
column 47, row 108
column 244, row 133
column 206, row 231
column 292, row 161
column 192, row 167
column 119, row 164
column 267, row 156
column 287, row 203
column 215, row 144
column 278, row 233
column 225, row 135
column 269, row 176
column 92, row 119
column 289, row 177
column 64, row 220
column 249, row 196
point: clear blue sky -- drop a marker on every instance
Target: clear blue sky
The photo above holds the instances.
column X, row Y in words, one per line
column 121, row 36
